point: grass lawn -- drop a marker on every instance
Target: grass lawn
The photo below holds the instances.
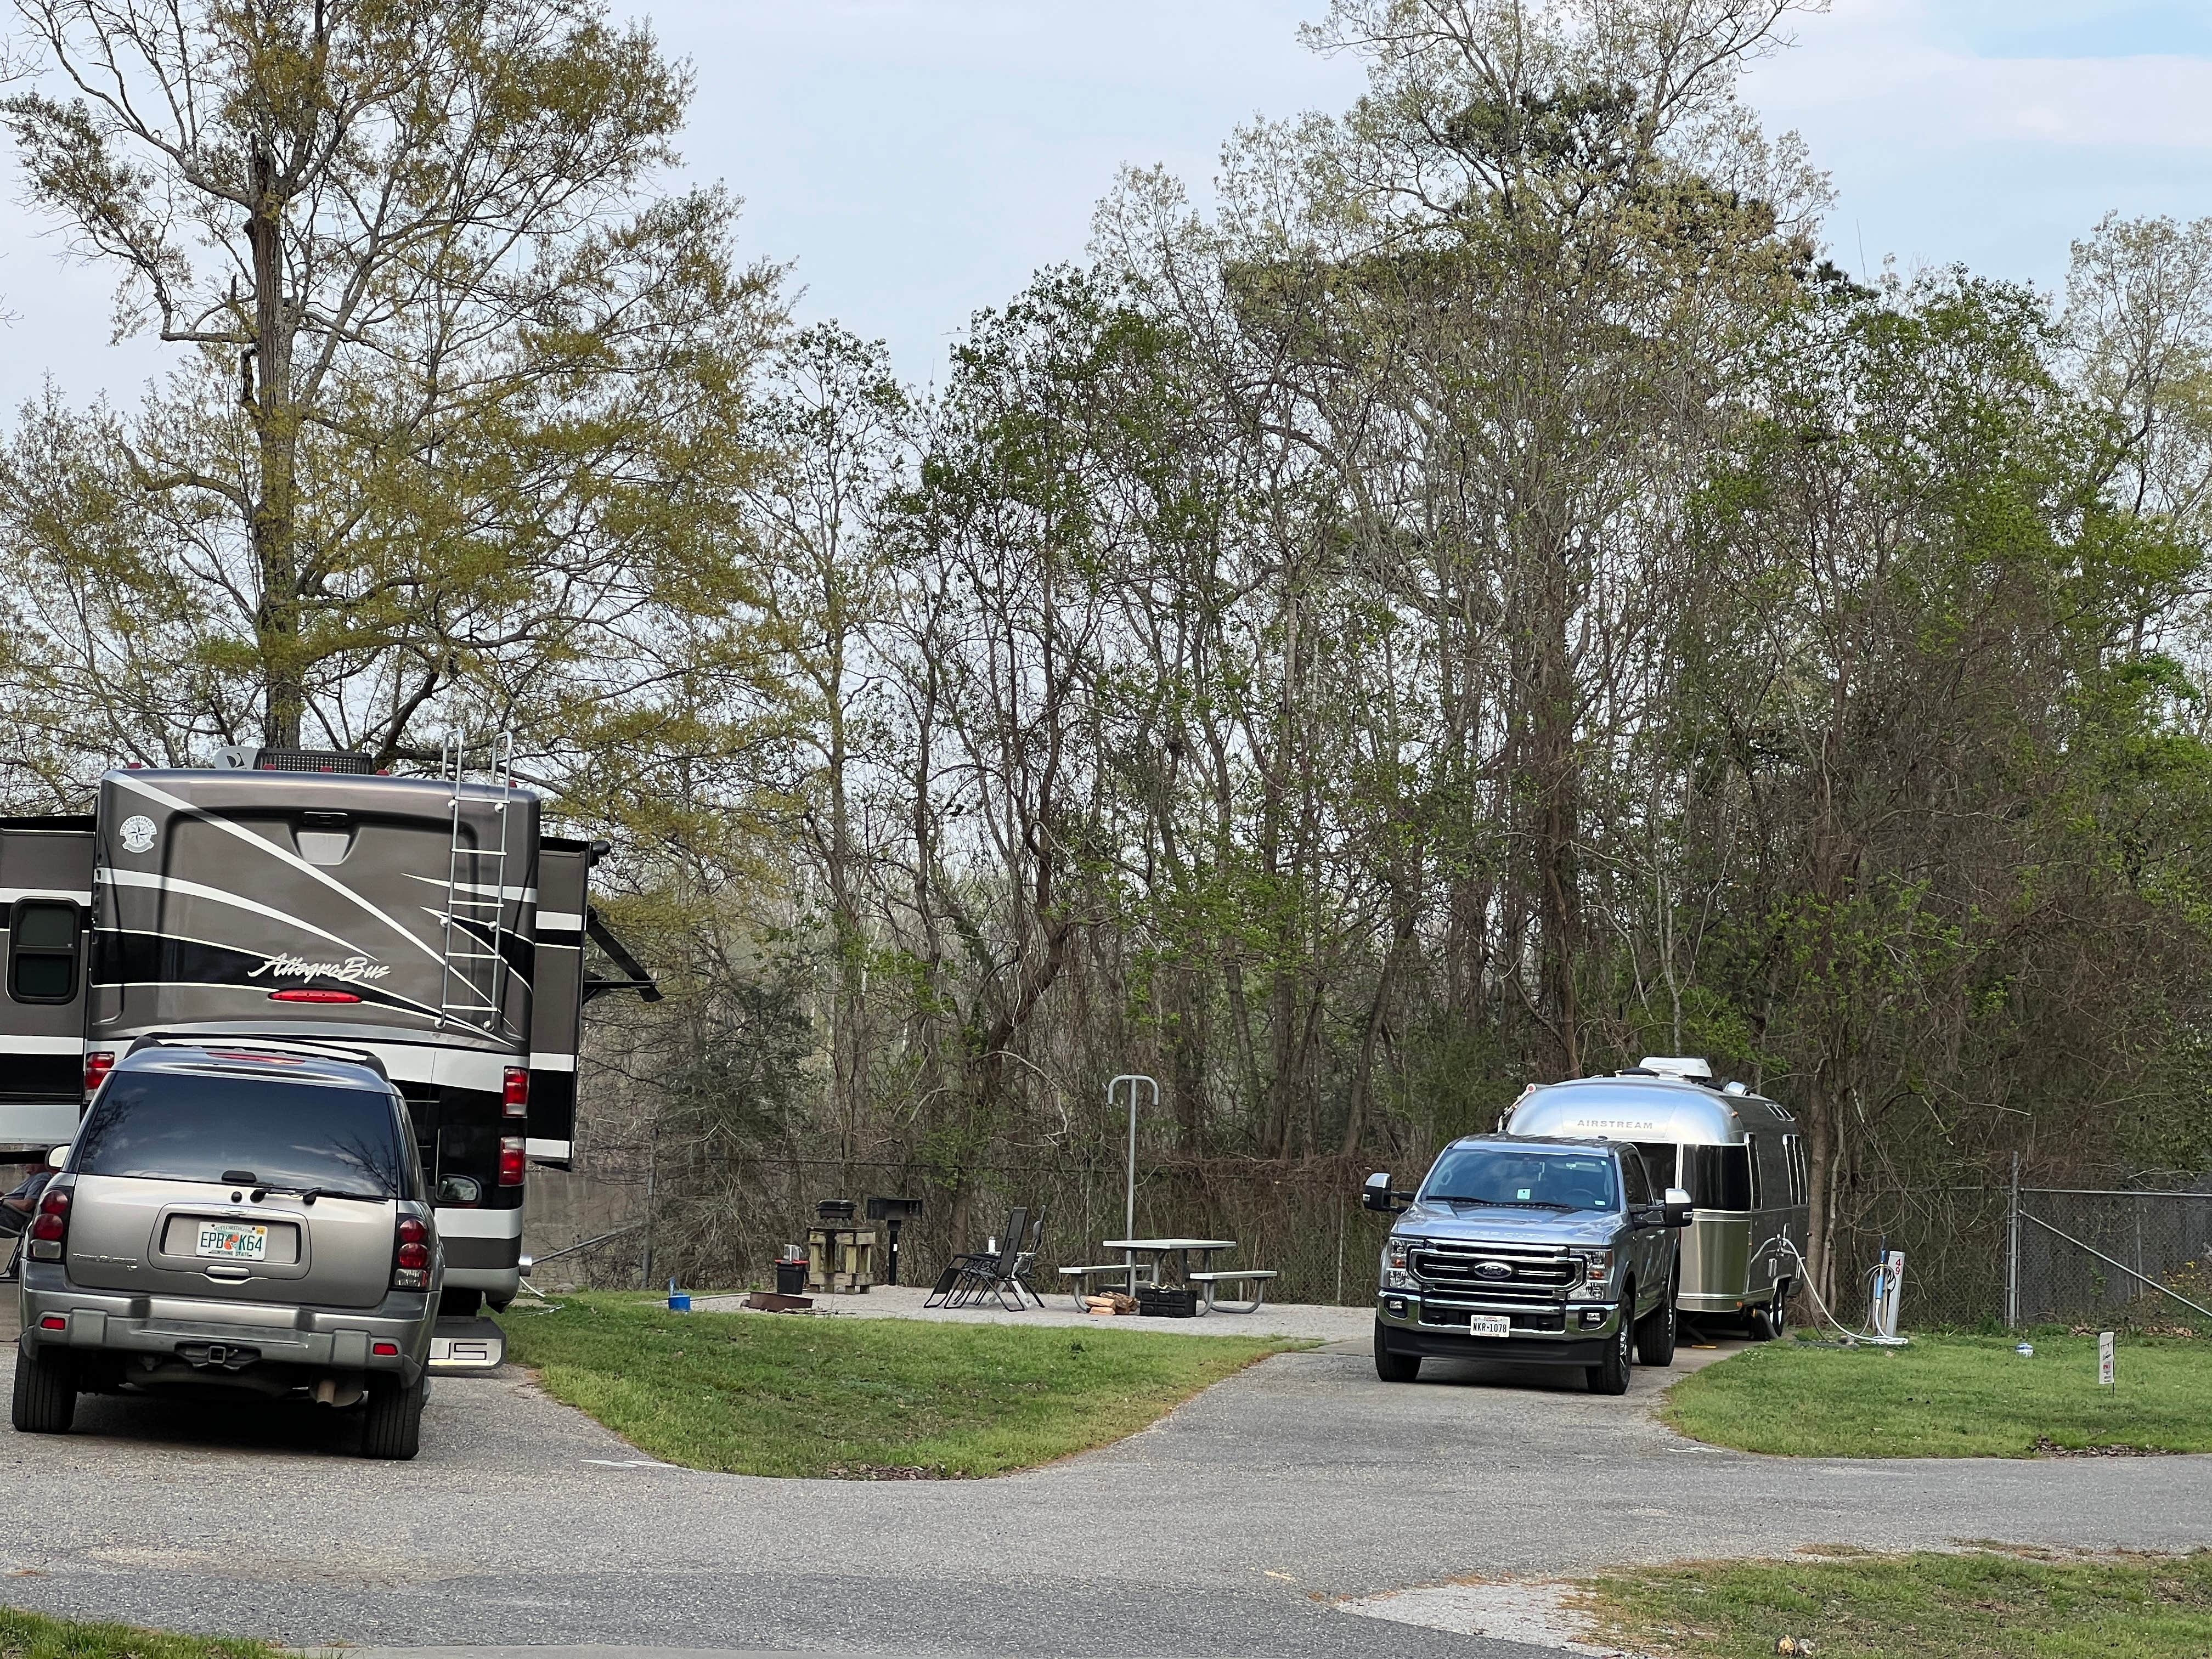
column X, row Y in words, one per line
column 1951, row 1396
column 33, row 1636
column 1981, row 1605
column 757, row 1394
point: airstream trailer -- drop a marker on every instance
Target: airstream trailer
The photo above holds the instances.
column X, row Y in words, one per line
column 1739, row 1155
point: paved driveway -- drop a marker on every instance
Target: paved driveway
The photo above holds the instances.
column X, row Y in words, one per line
column 1228, row 1529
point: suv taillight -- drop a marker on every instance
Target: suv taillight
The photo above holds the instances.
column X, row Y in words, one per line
column 50, row 1227
column 410, row 1256
column 515, row 1095
column 510, row 1160
column 98, row 1064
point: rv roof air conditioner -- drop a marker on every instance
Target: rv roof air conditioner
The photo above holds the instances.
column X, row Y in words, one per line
column 1689, row 1068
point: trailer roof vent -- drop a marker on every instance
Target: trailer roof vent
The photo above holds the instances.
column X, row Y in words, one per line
column 312, row 760
column 1688, row 1067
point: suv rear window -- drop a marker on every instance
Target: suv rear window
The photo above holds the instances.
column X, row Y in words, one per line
column 193, row 1126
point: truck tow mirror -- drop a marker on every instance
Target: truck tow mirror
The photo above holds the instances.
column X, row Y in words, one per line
column 1678, row 1207
column 1375, row 1193
column 56, row 1158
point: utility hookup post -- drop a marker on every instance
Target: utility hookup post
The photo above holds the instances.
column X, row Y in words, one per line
column 2103, row 1359
column 2012, row 1251
column 1129, row 1202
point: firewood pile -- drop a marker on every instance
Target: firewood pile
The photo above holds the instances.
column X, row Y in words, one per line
column 1109, row 1301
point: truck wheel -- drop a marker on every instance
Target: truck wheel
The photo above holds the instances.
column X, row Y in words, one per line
column 1655, row 1334
column 391, row 1420
column 1394, row 1367
column 1610, row 1375
column 45, row 1393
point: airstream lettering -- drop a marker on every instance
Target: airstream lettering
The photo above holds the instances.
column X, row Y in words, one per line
column 1738, row 1155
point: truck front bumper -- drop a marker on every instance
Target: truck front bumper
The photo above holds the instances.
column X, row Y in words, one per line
column 393, row 1336
column 1547, row 1333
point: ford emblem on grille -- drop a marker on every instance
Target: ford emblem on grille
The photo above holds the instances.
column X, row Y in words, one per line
column 1493, row 1270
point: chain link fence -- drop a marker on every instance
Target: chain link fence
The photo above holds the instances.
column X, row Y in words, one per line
column 1303, row 1220
column 1974, row 1255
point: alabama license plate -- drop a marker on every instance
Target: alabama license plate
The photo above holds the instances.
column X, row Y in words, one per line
column 227, row 1242
column 1489, row 1325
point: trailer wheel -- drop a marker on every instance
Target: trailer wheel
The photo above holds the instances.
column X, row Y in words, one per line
column 1768, row 1322
column 1610, row 1375
column 1394, row 1367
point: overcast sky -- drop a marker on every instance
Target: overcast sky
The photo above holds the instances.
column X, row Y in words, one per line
column 917, row 159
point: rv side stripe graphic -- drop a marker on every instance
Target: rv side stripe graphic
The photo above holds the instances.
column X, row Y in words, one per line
column 10, row 894
column 196, row 890
column 120, row 956
column 43, row 1045
column 177, row 804
column 482, row 888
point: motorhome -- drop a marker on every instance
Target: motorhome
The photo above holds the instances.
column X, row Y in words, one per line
column 429, row 922
column 1739, row 1155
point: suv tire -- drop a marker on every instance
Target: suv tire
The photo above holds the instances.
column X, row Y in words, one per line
column 391, row 1420
column 45, row 1393
column 1610, row 1375
column 1655, row 1333
column 1394, row 1367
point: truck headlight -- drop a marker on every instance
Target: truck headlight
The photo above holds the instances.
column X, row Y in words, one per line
column 1397, row 1265
column 1596, row 1277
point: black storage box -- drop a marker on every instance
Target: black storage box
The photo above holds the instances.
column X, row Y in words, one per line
column 790, row 1276
column 1164, row 1301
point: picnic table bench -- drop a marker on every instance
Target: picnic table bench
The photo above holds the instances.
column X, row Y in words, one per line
column 1256, row 1278
column 1083, row 1276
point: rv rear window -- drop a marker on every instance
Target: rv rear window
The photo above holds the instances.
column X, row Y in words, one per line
column 42, row 952
column 184, row 1125
column 1717, row 1177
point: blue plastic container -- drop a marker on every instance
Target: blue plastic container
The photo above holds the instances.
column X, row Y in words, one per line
column 679, row 1302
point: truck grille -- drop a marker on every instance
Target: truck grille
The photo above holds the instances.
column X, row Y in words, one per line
column 1534, row 1272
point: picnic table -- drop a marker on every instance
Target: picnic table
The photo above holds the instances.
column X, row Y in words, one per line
column 1183, row 1248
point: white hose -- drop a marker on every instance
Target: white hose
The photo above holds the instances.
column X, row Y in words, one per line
column 1870, row 1337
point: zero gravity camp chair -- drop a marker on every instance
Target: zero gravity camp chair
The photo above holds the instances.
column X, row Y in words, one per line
column 970, row 1277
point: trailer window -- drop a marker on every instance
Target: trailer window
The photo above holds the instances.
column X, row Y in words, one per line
column 42, row 948
column 1717, row 1177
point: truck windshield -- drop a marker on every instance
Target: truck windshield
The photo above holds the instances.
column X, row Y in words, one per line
column 179, row 1126
column 1517, row 1177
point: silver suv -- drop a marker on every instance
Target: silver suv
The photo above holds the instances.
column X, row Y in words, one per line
column 1533, row 1250
column 241, row 1215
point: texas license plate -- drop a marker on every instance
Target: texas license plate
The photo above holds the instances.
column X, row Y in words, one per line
column 1489, row 1325
column 227, row 1242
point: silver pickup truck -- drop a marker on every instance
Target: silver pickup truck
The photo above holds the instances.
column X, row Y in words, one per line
column 1530, row 1250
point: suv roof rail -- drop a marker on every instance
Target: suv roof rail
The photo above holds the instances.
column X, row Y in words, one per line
column 248, row 1040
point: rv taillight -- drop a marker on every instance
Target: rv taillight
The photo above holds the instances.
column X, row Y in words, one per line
column 515, row 1096
column 303, row 996
column 97, row 1065
column 510, row 1160
column 50, row 1227
column 410, row 1256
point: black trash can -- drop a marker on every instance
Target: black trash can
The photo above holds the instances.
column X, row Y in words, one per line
column 791, row 1275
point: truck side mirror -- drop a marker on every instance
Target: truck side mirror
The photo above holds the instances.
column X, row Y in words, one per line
column 1679, row 1208
column 1375, row 1193
column 56, row 1158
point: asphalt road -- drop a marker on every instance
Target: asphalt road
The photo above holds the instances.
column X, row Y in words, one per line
column 1230, row 1527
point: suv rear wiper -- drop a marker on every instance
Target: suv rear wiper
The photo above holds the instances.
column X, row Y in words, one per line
column 309, row 1194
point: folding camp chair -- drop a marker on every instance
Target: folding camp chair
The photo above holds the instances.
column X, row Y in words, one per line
column 1003, row 1274
column 972, row 1275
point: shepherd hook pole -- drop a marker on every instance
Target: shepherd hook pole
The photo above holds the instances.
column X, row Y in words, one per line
column 1129, row 1200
